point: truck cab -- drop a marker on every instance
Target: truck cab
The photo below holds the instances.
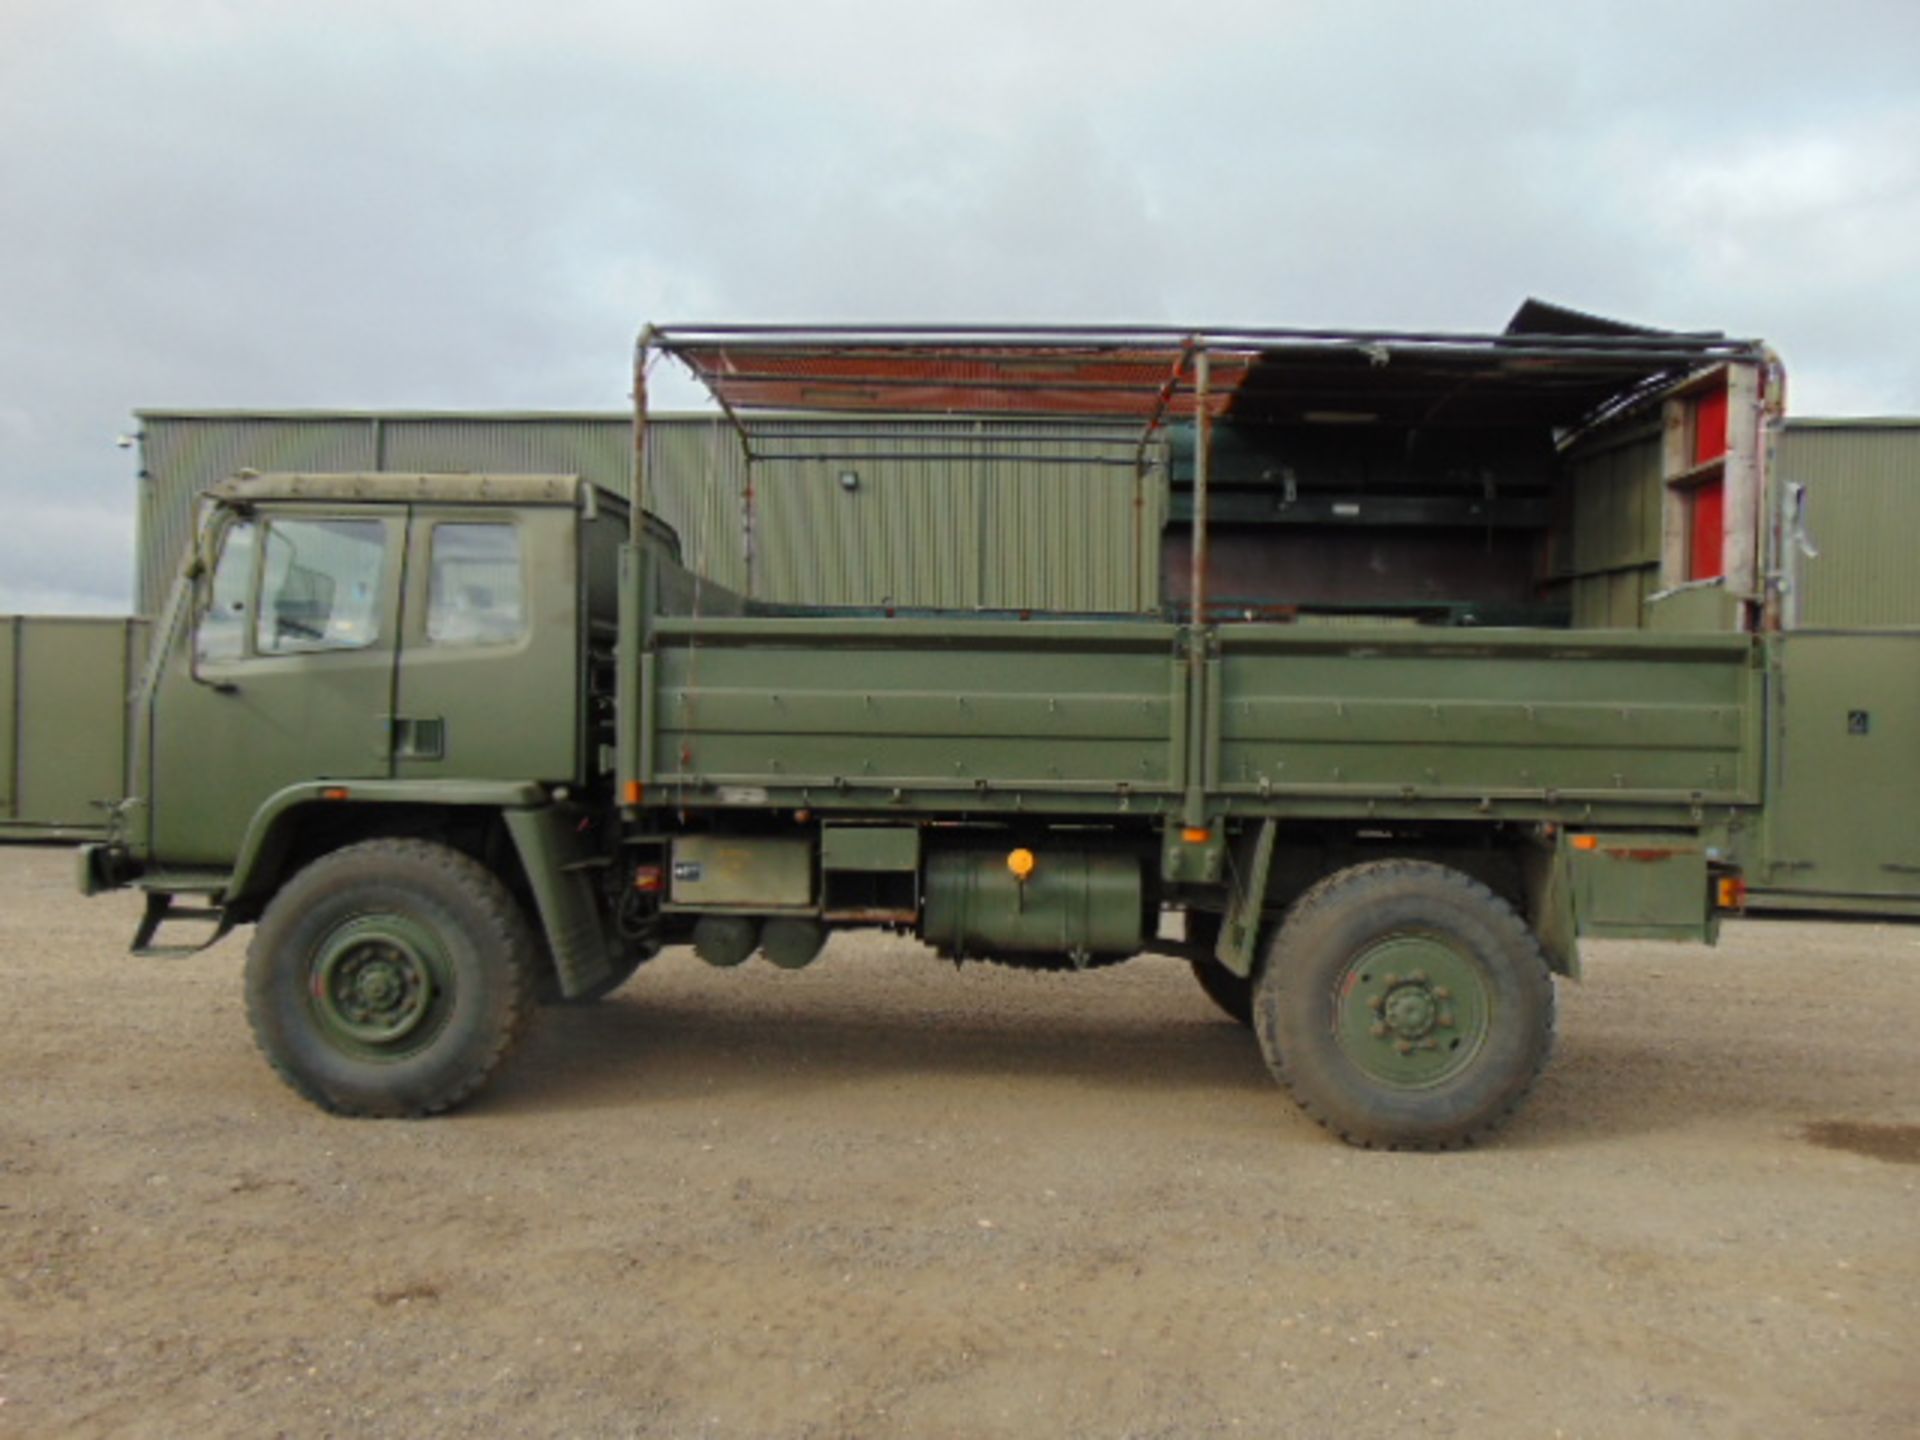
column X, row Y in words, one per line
column 398, row 635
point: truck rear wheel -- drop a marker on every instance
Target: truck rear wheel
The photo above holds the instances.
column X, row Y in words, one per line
column 1405, row 1006
column 390, row 978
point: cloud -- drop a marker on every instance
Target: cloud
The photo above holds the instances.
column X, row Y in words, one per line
column 361, row 204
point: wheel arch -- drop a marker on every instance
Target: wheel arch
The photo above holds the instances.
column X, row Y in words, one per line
column 296, row 825
column 1530, row 870
column 542, row 855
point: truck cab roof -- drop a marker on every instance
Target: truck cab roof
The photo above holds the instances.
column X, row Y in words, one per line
column 390, row 487
column 573, row 492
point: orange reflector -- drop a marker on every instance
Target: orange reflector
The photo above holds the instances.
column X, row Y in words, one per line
column 335, row 792
column 1584, row 842
column 1021, row 863
column 1196, row 835
column 1732, row 892
column 632, row 793
column 646, row 879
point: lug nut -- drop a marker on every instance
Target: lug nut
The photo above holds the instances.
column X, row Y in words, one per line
column 1418, row 977
column 1378, row 1002
column 1391, row 981
column 1440, row 992
column 1405, row 1047
column 1446, row 1020
column 1379, row 1031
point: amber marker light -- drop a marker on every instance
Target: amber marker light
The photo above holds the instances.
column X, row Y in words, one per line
column 1196, row 835
column 632, row 793
column 336, row 792
column 1021, row 863
column 1584, row 842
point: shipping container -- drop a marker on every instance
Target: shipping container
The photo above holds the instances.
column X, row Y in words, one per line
column 65, row 685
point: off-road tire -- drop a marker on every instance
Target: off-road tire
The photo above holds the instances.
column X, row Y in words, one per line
column 400, row 936
column 1232, row 993
column 1335, row 999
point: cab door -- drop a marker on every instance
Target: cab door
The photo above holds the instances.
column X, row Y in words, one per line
column 284, row 673
column 488, row 684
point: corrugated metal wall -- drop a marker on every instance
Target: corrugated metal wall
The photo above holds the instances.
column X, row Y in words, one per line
column 181, row 456
column 1613, row 560
column 1863, row 514
column 1041, row 525
column 1016, row 532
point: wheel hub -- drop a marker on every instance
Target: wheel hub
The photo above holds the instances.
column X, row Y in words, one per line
column 1412, row 1009
column 374, row 984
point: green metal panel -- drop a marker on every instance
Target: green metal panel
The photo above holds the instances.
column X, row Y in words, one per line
column 1862, row 482
column 752, row 872
column 1610, row 553
column 1642, row 886
column 1099, row 714
column 67, row 680
column 887, row 848
column 900, row 520
column 698, row 487
column 9, row 712
column 1845, row 783
column 929, row 704
column 1489, row 713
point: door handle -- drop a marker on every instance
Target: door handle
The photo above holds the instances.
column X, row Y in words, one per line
column 419, row 737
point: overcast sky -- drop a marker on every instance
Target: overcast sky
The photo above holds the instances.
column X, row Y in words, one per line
column 476, row 205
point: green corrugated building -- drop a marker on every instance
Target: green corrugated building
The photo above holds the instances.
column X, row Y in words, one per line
column 905, row 523
column 914, row 527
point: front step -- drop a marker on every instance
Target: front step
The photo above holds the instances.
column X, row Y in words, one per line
column 162, row 910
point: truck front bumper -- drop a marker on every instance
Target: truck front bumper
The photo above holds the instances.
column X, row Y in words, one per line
column 99, row 868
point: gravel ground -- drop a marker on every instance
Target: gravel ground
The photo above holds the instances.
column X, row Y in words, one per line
column 882, row 1197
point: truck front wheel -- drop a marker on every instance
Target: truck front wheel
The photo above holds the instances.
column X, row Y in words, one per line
column 390, row 978
column 1405, row 1006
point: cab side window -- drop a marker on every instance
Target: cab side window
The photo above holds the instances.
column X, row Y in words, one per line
column 320, row 586
column 475, row 591
column 223, row 625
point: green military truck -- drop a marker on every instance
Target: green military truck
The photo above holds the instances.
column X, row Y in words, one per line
column 1384, row 744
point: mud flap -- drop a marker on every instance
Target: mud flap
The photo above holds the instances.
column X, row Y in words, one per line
column 1547, row 872
column 1239, row 942
column 556, row 863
